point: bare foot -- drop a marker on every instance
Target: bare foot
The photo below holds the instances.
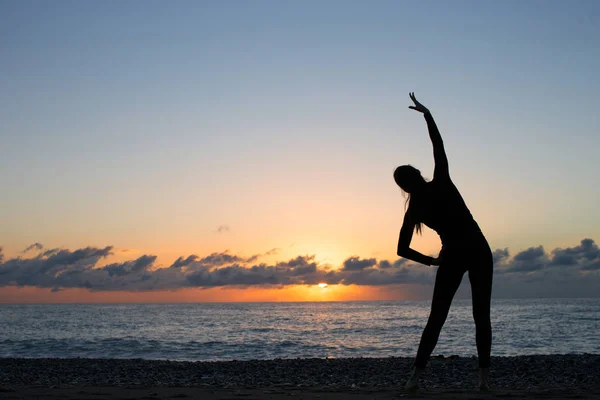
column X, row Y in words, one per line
column 484, row 383
column 412, row 385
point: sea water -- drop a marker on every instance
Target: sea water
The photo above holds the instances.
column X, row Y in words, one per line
column 242, row 331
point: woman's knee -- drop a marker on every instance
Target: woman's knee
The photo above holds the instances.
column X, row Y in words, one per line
column 481, row 315
column 436, row 320
column 483, row 325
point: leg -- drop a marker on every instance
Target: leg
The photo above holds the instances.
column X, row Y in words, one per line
column 447, row 281
column 481, row 289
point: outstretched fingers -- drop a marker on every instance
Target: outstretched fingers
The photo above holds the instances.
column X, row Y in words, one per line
column 418, row 106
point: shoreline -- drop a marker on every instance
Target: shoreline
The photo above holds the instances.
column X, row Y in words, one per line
column 548, row 376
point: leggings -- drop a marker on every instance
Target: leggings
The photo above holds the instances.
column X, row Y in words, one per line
column 473, row 255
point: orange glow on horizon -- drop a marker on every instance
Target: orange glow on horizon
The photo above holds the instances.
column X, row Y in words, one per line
column 295, row 293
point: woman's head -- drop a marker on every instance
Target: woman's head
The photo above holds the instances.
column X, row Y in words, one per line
column 408, row 178
column 410, row 181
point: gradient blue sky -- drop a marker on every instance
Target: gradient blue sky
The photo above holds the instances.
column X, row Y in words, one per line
column 147, row 125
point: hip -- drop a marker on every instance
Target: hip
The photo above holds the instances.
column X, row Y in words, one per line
column 471, row 245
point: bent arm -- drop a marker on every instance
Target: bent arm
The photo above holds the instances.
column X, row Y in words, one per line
column 439, row 154
column 404, row 250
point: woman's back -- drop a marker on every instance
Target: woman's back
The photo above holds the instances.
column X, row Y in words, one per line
column 441, row 207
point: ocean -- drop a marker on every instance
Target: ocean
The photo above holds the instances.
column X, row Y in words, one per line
column 244, row 331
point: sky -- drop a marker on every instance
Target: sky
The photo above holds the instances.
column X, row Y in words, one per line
column 244, row 151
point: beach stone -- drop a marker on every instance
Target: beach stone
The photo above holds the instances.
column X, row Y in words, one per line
column 564, row 372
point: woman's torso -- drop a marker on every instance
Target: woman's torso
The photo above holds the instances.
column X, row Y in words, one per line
column 442, row 208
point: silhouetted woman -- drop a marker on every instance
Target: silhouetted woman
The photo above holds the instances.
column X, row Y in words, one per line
column 439, row 205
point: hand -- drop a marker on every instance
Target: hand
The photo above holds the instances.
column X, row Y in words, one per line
column 418, row 106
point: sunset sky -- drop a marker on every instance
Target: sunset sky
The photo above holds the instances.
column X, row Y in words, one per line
column 256, row 140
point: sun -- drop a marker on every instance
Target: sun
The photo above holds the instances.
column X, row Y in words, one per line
column 322, row 285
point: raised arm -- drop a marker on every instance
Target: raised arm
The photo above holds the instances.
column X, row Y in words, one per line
column 404, row 250
column 439, row 154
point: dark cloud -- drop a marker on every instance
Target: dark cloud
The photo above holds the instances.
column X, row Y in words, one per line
column 530, row 254
column 298, row 271
column 595, row 266
column 218, row 259
column 584, row 257
column 257, row 256
column 66, row 257
column 567, row 271
column 385, row 264
column 184, row 262
column 356, row 264
column 586, row 251
column 51, row 268
column 386, row 276
column 525, row 267
column 60, row 269
column 49, row 252
column 35, row 246
column 500, row 255
column 224, row 258
column 130, row 267
column 564, row 272
column 532, row 259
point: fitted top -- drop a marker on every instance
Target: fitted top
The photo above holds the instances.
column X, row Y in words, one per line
column 441, row 207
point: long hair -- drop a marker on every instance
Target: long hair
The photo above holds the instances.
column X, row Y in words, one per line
column 407, row 203
column 409, row 179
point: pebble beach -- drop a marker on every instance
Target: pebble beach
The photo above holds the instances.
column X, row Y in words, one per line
column 547, row 376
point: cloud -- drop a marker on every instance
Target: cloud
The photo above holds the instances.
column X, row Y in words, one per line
column 124, row 251
column 530, row 254
column 141, row 264
column 500, row 255
column 528, row 260
column 184, row 262
column 587, row 250
column 569, row 271
column 51, row 268
column 224, row 258
column 385, row 264
column 584, row 257
column 35, row 246
column 273, row 252
column 356, row 264
column 61, row 269
column 595, row 266
column 298, row 271
column 383, row 276
column 223, row 229
column 562, row 272
column 216, row 259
